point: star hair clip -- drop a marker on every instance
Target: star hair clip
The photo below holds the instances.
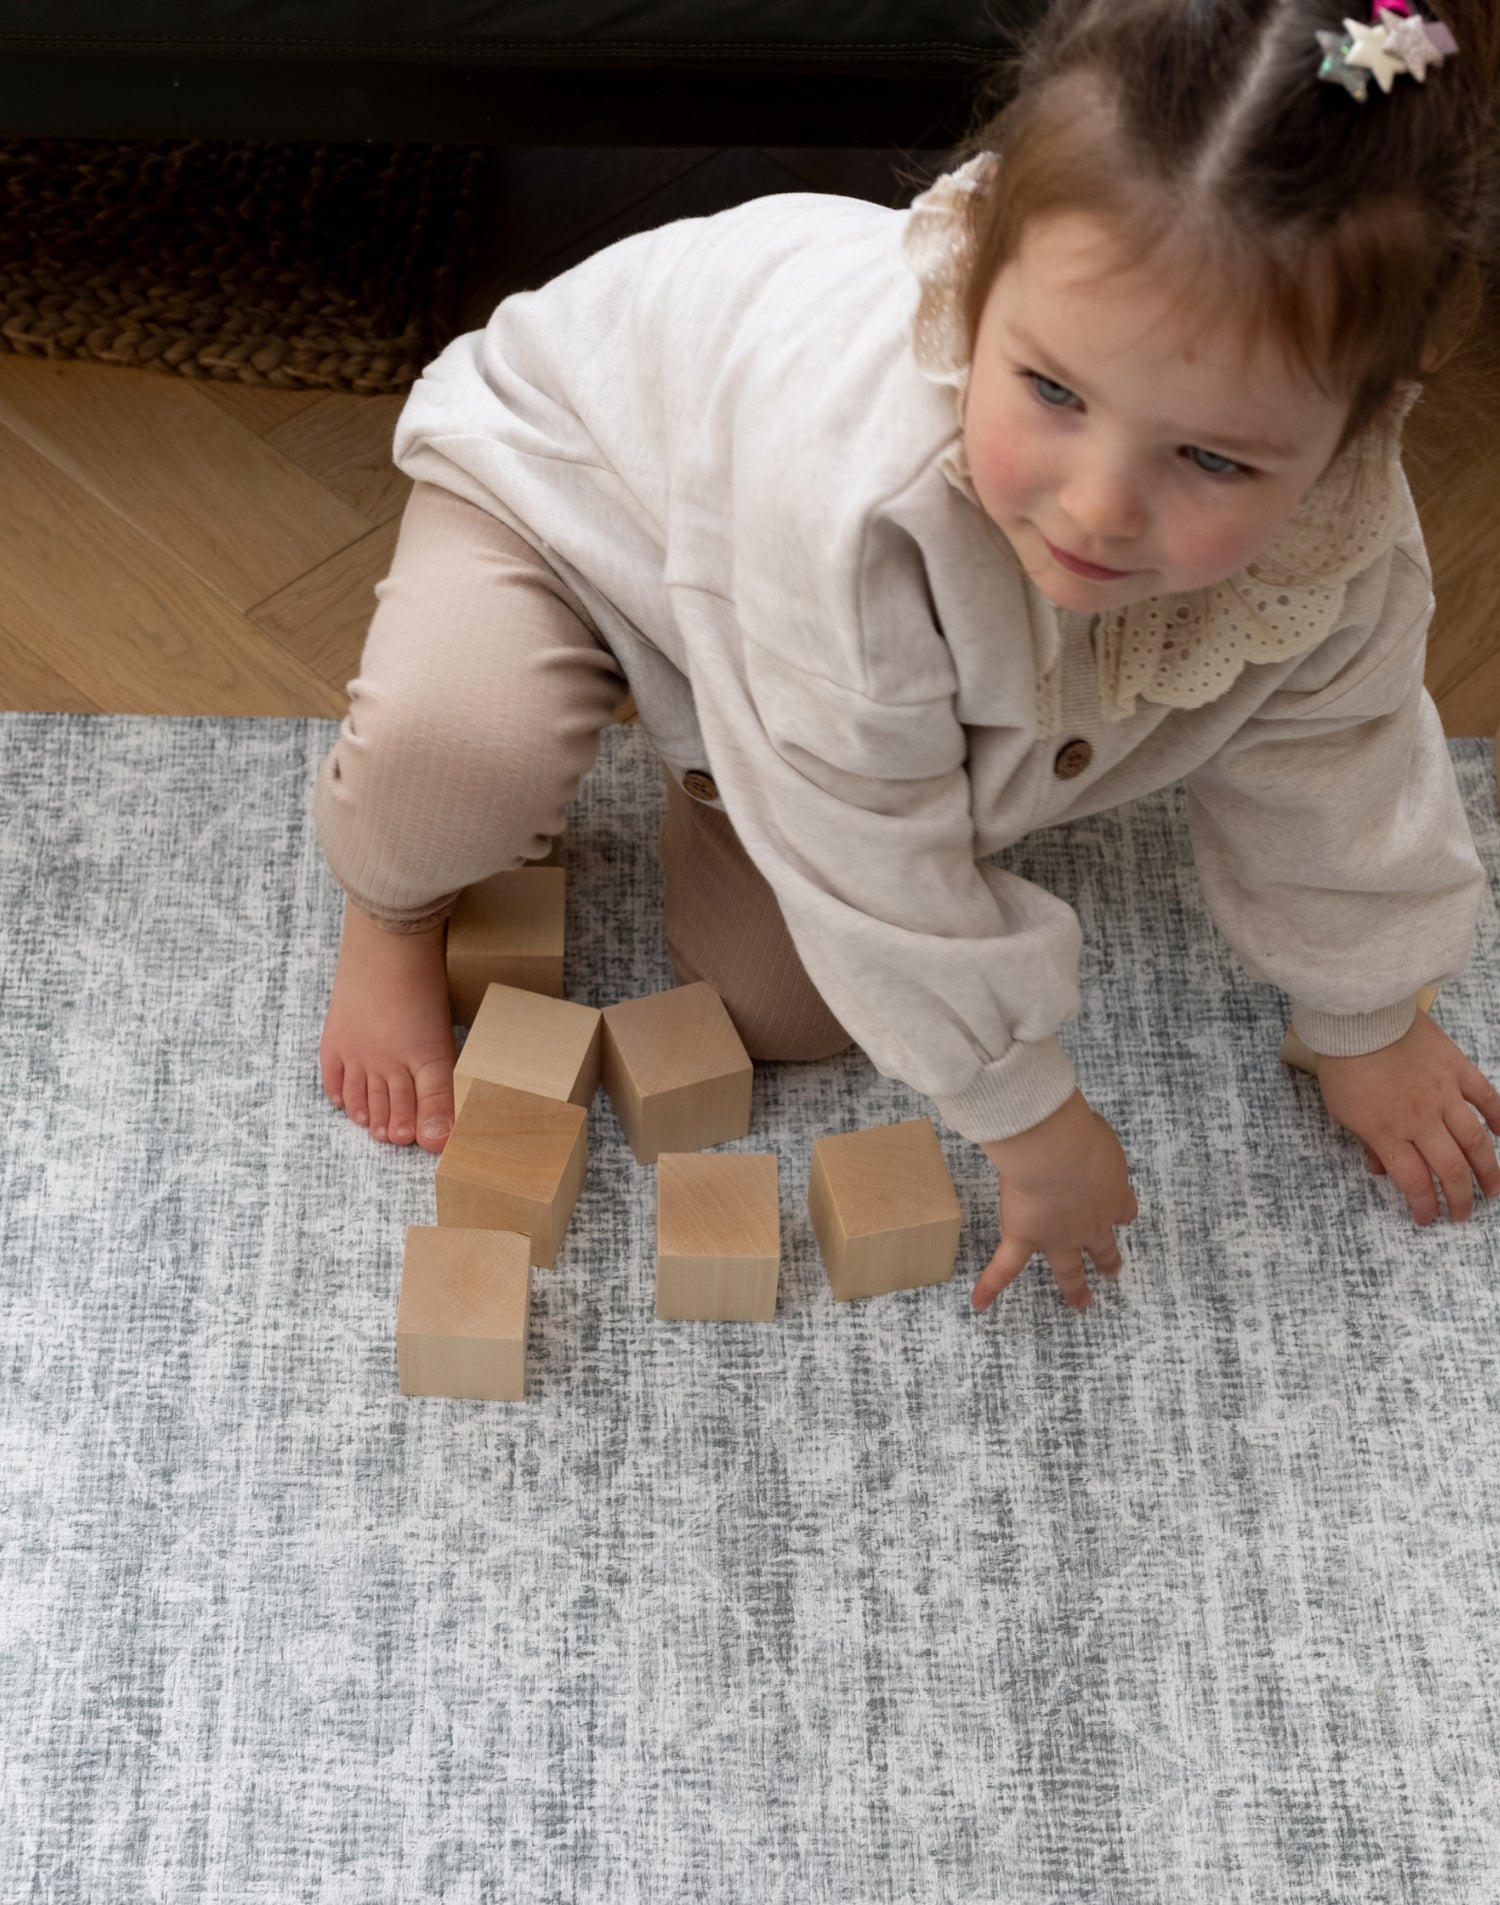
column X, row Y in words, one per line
column 1399, row 41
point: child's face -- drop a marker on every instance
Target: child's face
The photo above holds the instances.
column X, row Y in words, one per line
column 1106, row 421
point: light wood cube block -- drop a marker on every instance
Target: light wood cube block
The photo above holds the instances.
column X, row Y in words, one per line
column 506, row 931
column 463, row 1312
column 1296, row 1054
column 676, row 1072
column 718, row 1238
column 513, row 1161
column 532, row 1043
column 884, row 1209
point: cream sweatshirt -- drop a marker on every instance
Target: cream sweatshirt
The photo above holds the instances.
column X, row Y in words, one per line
column 719, row 434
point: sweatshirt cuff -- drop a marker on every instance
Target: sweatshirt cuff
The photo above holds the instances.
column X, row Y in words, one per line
column 1352, row 1034
column 1012, row 1093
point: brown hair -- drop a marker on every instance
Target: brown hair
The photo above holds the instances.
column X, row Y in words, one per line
column 1356, row 234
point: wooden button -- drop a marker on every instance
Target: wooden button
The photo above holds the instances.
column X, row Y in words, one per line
column 1072, row 759
column 700, row 786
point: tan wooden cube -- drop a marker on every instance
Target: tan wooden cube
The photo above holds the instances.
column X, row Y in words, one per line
column 718, row 1238
column 1295, row 1053
column 676, row 1072
column 513, row 1161
column 532, row 1043
column 463, row 1312
column 884, row 1209
column 507, row 931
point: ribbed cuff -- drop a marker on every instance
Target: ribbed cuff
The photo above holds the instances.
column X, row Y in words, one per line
column 1352, row 1034
column 1012, row 1093
column 395, row 922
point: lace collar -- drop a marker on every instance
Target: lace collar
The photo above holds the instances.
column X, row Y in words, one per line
column 1178, row 651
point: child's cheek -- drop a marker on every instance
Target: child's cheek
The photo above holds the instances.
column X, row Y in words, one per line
column 1000, row 470
column 1219, row 550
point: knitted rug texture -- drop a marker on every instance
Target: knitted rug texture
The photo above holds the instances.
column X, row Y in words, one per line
column 1190, row 1597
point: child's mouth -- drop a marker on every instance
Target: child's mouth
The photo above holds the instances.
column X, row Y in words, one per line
column 1093, row 570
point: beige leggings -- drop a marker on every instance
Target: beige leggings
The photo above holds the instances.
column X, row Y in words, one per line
column 482, row 691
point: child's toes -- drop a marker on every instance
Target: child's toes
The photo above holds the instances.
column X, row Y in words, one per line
column 380, row 1106
column 434, row 1104
column 403, row 1116
column 356, row 1094
column 332, row 1069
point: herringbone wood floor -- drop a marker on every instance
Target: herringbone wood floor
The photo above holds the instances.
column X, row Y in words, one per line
column 177, row 547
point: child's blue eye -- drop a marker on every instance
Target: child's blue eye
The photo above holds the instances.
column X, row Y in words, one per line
column 1057, row 396
column 1212, row 464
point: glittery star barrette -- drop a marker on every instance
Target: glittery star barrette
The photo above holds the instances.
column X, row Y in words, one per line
column 1398, row 42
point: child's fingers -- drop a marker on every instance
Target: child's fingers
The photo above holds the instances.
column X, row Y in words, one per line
column 1483, row 1096
column 1067, row 1269
column 1474, row 1141
column 1067, row 1273
column 1447, row 1163
column 1453, row 1172
column 1373, row 1160
column 1105, row 1255
column 1409, row 1173
column 1001, row 1271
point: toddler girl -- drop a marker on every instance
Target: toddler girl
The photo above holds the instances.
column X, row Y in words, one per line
column 912, row 531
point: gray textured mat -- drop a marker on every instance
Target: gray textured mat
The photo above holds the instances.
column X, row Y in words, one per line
column 1191, row 1598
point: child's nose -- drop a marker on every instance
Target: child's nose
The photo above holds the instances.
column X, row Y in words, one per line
column 1104, row 502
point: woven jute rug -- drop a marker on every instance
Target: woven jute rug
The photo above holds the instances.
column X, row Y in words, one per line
column 306, row 267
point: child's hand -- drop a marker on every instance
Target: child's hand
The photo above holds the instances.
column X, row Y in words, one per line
column 1064, row 1185
column 1409, row 1105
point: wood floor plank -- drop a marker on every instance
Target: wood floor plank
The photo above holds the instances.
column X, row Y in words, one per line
column 109, row 610
column 345, row 442
column 1458, row 525
column 323, row 617
column 30, row 685
column 162, row 454
column 258, row 407
column 1471, row 705
column 1460, row 674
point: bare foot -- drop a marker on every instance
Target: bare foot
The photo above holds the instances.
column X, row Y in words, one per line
column 387, row 1050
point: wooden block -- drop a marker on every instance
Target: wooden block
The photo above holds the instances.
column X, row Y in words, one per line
column 718, row 1238
column 462, row 1316
column 507, row 931
column 884, row 1209
column 1296, row 1054
column 513, row 1161
column 676, row 1072
column 532, row 1043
